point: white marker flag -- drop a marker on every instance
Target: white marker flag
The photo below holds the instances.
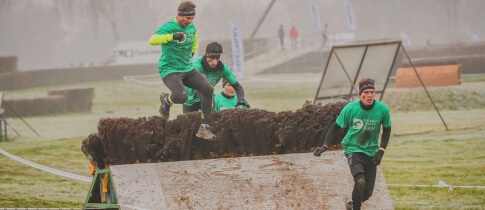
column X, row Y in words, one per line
column 350, row 15
column 315, row 17
column 406, row 42
column 475, row 38
column 237, row 48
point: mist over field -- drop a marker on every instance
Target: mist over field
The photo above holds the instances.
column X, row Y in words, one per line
column 48, row 34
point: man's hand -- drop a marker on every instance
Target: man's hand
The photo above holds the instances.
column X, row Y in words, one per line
column 319, row 151
column 376, row 160
column 179, row 36
column 243, row 103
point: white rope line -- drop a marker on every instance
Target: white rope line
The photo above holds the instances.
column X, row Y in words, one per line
column 137, row 79
column 423, row 185
column 440, row 184
column 256, row 79
column 47, row 169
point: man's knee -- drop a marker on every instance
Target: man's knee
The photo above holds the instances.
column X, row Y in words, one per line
column 359, row 180
column 207, row 90
column 179, row 98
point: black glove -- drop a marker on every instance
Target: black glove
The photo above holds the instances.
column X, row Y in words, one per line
column 319, row 151
column 243, row 103
column 179, row 36
column 376, row 160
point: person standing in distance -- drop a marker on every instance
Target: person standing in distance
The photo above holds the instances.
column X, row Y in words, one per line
column 214, row 70
column 364, row 119
column 178, row 38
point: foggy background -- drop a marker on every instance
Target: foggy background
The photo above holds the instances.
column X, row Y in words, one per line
column 48, row 34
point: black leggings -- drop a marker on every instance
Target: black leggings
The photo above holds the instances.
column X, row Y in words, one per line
column 177, row 81
column 364, row 173
column 195, row 107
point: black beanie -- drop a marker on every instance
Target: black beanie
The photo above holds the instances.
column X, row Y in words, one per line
column 224, row 82
column 213, row 50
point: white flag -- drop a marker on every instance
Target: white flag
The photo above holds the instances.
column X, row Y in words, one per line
column 350, row 15
column 406, row 42
column 475, row 38
column 315, row 17
column 237, row 48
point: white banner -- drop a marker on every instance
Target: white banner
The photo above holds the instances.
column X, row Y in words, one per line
column 237, row 48
column 350, row 15
column 134, row 52
column 315, row 17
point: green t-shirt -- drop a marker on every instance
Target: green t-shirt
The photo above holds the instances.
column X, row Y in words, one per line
column 221, row 102
column 364, row 127
column 176, row 56
column 212, row 76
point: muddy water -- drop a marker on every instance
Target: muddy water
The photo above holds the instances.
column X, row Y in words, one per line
column 239, row 133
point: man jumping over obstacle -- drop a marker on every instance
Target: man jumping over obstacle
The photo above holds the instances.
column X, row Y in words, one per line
column 178, row 39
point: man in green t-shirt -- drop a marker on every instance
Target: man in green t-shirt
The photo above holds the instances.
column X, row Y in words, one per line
column 227, row 99
column 178, row 39
column 363, row 119
column 214, row 70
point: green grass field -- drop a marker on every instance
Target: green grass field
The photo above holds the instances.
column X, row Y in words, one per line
column 420, row 151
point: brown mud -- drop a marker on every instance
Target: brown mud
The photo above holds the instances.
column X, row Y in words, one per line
column 239, row 132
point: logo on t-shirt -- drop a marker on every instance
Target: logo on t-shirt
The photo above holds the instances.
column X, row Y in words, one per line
column 358, row 124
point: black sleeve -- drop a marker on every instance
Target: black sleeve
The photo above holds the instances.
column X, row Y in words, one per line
column 386, row 134
column 330, row 137
column 239, row 91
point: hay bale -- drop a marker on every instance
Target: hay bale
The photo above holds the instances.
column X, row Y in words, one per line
column 8, row 64
column 77, row 99
column 35, row 106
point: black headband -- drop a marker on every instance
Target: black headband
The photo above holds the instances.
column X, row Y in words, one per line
column 187, row 11
column 369, row 84
column 213, row 55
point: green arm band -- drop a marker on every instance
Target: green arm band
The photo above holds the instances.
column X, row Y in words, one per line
column 157, row 39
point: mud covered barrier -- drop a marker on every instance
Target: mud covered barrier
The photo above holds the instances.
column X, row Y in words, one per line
column 240, row 132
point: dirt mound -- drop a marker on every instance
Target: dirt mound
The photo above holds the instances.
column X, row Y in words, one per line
column 240, row 132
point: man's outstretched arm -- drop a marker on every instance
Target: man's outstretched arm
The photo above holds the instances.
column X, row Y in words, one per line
column 329, row 139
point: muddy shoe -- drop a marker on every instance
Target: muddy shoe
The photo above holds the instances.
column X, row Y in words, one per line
column 205, row 133
column 165, row 107
column 349, row 205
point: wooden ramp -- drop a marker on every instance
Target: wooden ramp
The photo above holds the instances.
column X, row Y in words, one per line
column 292, row 181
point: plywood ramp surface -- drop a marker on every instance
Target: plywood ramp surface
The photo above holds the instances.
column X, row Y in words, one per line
column 292, row 181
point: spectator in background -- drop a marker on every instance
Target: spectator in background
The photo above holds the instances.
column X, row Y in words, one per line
column 281, row 36
column 227, row 99
column 293, row 37
column 324, row 34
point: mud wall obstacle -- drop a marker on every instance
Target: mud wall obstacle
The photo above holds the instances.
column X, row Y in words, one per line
column 240, row 132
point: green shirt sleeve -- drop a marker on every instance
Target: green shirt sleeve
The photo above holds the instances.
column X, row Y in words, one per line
column 386, row 122
column 342, row 117
column 228, row 75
